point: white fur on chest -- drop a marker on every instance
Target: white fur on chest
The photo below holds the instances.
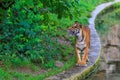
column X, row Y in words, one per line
column 80, row 44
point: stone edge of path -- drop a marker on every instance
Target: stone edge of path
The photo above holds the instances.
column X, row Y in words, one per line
column 78, row 73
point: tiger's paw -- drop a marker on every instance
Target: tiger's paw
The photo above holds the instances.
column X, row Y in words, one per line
column 81, row 65
column 77, row 64
column 84, row 65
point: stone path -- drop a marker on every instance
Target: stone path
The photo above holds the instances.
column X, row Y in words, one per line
column 74, row 72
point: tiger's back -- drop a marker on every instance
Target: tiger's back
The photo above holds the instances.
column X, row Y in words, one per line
column 86, row 33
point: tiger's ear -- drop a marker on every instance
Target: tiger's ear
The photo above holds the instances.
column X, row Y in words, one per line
column 77, row 24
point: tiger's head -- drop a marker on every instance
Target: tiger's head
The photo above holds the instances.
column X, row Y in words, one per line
column 74, row 29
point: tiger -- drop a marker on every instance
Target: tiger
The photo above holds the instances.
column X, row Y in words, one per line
column 82, row 42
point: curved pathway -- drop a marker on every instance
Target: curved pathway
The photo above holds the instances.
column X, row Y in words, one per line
column 78, row 73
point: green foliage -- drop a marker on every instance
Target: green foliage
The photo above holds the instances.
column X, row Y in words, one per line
column 23, row 34
column 4, row 5
column 49, row 64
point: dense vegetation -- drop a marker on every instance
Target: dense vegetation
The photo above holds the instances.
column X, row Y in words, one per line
column 30, row 31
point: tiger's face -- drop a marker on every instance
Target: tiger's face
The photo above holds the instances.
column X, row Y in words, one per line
column 74, row 29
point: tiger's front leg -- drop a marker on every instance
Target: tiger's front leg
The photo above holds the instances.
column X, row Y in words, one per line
column 78, row 57
column 85, row 57
column 82, row 52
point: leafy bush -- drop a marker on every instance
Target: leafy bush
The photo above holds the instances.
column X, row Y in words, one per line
column 4, row 5
column 23, row 34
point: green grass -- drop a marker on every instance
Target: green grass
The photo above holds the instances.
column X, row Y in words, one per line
column 9, row 75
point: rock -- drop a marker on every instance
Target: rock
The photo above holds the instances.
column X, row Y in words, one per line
column 102, row 66
column 113, row 38
column 104, row 54
column 58, row 64
column 110, row 47
column 111, row 68
column 112, row 54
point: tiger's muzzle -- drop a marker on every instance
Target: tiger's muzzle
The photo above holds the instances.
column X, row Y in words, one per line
column 73, row 32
